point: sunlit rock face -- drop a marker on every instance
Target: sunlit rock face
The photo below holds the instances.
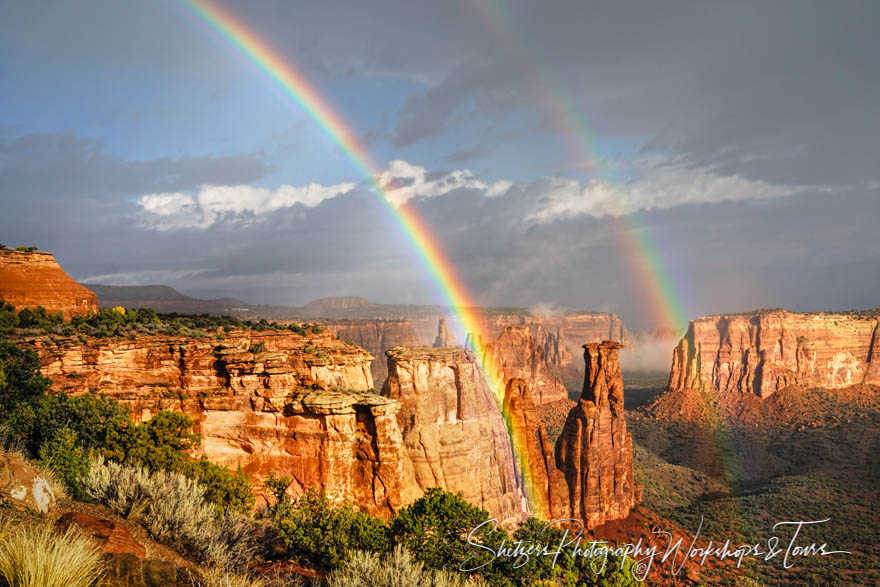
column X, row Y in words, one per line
column 31, row 279
column 518, row 355
column 297, row 405
column 453, row 429
column 764, row 352
column 594, row 451
column 376, row 336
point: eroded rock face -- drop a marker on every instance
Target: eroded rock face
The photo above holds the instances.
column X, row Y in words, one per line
column 444, row 336
column 23, row 485
column 764, row 352
column 28, row 280
column 452, row 428
column 264, row 401
column 376, row 336
column 594, row 451
column 112, row 537
column 518, row 355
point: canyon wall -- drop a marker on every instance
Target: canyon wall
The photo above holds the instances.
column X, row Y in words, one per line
column 518, row 355
column 263, row 401
column 764, row 352
column 31, row 279
column 376, row 336
column 453, row 429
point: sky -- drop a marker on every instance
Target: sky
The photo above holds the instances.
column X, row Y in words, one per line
column 736, row 143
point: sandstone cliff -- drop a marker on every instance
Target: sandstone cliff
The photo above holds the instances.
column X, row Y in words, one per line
column 453, row 428
column 376, row 336
column 265, row 401
column 518, row 355
column 31, row 279
column 764, row 352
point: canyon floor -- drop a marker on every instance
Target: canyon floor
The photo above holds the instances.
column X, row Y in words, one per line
column 804, row 454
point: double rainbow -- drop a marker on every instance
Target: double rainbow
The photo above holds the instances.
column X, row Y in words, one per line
column 295, row 87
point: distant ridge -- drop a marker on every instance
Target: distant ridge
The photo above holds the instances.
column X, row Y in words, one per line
column 163, row 298
column 138, row 292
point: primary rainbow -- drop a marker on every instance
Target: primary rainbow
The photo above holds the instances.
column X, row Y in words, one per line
column 297, row 88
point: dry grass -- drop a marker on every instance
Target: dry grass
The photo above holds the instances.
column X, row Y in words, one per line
column 395, row 569
column 174, row 511
column 37, row 556
column 220, row 577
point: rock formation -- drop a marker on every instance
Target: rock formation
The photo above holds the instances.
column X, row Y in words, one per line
column 588, row 473
column 265, row 401
column 444, row 336
column 594, row 451
column 31, row 279
column 763, row 352
column 452, row 428
column 518, row 355
column 376, row 336
column 23, row 485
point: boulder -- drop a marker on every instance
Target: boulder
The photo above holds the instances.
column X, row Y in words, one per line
column 23, row 485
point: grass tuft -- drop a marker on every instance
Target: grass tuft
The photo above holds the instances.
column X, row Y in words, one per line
column 37, row 556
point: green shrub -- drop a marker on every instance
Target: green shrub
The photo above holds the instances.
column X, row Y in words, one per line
column 435, row 528
column 20, row 378
column 231, row 491
column 258, row 348
column 160, row 442
column 319, row 533
column 68, row 461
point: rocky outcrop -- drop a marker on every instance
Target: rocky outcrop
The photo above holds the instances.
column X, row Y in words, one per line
column 444, row 336
column 453, row 429
column 21, row 484
column 588, row 473
column 263, row 401
column 31, row 279
column 594, row 451
column 517, row 355
column 376, row 336
column 112, row 537
column 764, row 352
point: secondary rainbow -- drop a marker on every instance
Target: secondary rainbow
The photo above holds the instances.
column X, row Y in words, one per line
column 643, row 255
column 297, row 88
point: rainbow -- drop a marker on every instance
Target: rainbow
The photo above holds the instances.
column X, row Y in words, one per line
column 653, row 278
column 294, row 85
column 643, row 254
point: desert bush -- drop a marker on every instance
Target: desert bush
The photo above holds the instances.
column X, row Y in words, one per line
column 397, row 568
column 37, row 556
column 173, row 509
column 322, row 534
column 435, row 527
column 231, row 491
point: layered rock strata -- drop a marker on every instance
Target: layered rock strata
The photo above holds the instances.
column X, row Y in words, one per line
column 31, row 279
column 263, row 401
column 764, row 352
column 376, row 336
column 517, row 355
column 588, row 473
column 453, row 429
